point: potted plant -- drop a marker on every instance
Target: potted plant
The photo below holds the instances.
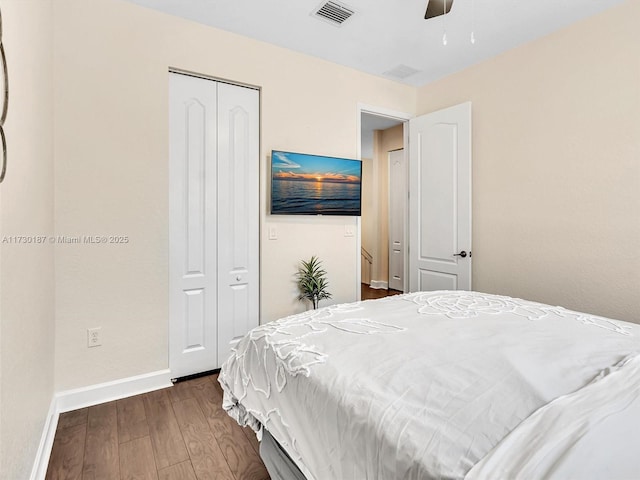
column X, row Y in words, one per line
column 312, row 281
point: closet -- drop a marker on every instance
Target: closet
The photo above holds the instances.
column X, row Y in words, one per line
column 213, row 219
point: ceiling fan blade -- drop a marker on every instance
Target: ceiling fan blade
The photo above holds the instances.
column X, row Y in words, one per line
column 435, row 8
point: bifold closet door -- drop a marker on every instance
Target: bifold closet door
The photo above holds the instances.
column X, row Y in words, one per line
column 238, row 213
column 213, row 220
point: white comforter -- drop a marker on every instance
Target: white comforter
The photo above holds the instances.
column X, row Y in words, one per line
column 427, row 385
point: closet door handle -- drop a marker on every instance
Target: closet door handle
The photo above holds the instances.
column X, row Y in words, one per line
column 461, row 254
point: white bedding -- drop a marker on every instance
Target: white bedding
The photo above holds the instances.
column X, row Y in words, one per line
column 593, row 433
column 423, row 385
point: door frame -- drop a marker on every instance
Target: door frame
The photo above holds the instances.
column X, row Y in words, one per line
column 396, row 115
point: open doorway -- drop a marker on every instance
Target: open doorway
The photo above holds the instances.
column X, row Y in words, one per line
column 384, row 214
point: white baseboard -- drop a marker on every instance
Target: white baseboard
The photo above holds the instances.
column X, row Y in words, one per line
column 68, row 400
column 379, row 284
column 105, row 392
column 39, row 470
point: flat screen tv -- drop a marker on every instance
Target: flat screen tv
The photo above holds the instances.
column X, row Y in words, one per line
column 303, row 184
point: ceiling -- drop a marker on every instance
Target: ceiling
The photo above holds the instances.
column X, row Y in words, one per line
column 376, row 122
column 383, row 35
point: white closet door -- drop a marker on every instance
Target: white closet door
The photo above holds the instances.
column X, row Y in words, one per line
column 214, row 220
column 238, row 214
column 192, row 225
column 397, row 218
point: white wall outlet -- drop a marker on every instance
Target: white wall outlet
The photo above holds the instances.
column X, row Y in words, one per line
column 348, row 231
column 94, row 337
column 273, row 233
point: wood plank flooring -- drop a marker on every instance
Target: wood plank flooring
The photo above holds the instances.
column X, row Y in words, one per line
column 178, row 433
column 368, row 293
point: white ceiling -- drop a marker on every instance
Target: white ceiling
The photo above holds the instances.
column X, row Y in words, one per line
column 376, row 122
column 384, row 34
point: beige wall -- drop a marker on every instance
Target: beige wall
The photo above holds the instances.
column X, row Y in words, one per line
column 556, row 169
column 110, row 91
column 384, row 141
column 26, row 208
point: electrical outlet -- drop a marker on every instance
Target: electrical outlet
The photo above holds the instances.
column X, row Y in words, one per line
column 94, row 337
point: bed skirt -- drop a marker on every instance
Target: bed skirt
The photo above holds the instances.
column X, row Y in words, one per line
column 276, row 460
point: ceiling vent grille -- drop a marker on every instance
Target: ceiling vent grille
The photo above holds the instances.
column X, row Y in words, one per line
column 333, row 12
column 401, row 72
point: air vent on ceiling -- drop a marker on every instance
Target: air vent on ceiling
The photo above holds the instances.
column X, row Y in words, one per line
column 333, row 12
column 401, row 72
column 435, row 8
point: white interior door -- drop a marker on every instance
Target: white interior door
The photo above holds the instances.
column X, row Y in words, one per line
column 192, row 225
column 214, row 220
column 440, row 200
column 397, row 217
column 238, row 216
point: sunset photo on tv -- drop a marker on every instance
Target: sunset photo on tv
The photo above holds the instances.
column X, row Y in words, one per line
column 303, row 184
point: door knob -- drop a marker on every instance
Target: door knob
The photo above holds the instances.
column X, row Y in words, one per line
column 461, row 254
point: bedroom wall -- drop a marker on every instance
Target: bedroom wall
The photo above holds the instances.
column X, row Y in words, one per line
column 556, row 176
column 26, row 209
column 110, row 91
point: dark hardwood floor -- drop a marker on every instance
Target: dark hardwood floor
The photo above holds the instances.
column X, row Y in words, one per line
column 368, row 293
column 178, row 433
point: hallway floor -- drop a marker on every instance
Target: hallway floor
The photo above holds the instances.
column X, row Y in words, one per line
column 368, row 293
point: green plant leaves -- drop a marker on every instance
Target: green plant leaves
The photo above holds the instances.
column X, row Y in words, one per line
column 312, row 281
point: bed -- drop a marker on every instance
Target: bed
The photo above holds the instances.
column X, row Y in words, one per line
column 441, row 385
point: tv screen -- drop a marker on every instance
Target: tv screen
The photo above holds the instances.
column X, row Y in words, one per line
column 303, row 184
